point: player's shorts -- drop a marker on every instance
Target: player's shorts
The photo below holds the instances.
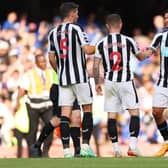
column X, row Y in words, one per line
column 54, row 96
column 82, row 92
column 160, row 97
column 120, row 95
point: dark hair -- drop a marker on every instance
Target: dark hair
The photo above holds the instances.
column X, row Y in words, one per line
column 66, row 8
column 113, row 19
column 164, row 12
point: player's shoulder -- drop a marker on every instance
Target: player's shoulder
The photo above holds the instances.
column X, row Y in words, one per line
column 51, row 30
column 101, row 41
column 129, row 38
column 77, row 26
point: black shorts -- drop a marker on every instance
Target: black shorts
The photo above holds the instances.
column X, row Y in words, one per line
column 54, row 94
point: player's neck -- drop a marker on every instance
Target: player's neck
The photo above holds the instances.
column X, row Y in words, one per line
column 67, row 20
column 114, row 30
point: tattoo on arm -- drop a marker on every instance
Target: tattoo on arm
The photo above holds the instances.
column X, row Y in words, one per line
column 96, row 71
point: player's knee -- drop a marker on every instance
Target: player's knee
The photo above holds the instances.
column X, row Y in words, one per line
column 76, row 119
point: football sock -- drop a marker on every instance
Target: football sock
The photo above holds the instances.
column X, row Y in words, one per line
column 75, row 134
column 163, row 128
column 112, row 130
column 87, row 127
column 65, row 131
column 133, row 142
column 48, row 128
column 134, row 126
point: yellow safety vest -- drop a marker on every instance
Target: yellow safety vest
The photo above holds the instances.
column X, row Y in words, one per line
column 36, row 84
column 22, row 118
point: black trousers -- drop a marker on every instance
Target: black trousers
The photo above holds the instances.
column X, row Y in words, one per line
column 45, row 114
column 20, row 136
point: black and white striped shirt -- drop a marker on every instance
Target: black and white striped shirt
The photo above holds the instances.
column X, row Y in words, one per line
column 161, row 41
column 115, row 50
column 66, row 42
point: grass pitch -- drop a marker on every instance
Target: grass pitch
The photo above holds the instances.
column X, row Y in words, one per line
column 143, row 162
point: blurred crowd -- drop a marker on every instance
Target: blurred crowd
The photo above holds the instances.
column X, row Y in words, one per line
column 21, row 40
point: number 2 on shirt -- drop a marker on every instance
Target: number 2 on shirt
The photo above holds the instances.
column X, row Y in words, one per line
column 63, row 48
column 116, row 66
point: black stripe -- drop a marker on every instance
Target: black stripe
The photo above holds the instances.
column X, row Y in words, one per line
column 160, row 75
column 67, row 58
column 101, row 51
column 74, row 56
column 83, row 60
column 119, row 49
column 110, row 50
column 51, row 38
column 82, row 55
column 166, row 42
column 128, row 46
column 136, row 97
column 157, row 41
column 90, row 88
column 61, row 52
column 165, row 71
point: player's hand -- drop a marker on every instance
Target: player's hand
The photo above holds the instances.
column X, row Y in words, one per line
column 99, row 89
column 148, row 52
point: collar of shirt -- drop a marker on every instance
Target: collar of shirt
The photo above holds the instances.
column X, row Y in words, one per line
column 39, row 71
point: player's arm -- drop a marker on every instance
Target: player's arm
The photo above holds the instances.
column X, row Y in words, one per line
column 96, row 73
column 52, row 51
column 96, row 70
column 152, row 49
column 83, row 40
column 89, row 49
column 52, row 60
column 144, row 54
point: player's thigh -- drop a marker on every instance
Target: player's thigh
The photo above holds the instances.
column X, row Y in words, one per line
column 160, row 97
column 66, row 96
column 112, row 102
column 83, row 93
column 128, row 95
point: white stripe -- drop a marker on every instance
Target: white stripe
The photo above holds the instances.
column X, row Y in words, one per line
column 72, row 73
column 39, row 105
column 124, row 58
column 162, row 59
column 63, row 78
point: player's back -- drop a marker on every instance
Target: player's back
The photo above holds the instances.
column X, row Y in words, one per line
column 68, row 40
column 116, row 50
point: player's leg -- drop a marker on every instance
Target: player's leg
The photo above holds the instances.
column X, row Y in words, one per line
column 112, row 106
column 75, row 128
column 66, row 100
column 130, row 102
column 84, row 96
column 160, row 102
column 134, row 128
column 113, row 133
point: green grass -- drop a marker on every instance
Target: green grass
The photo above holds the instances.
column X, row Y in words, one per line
column 144, row 162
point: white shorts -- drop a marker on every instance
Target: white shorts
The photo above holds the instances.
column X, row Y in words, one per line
column 82, row 92
column 119, row 95
column 160, row 98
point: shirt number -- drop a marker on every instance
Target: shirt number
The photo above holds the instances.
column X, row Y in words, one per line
column 116, row 66
column 63, row 48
